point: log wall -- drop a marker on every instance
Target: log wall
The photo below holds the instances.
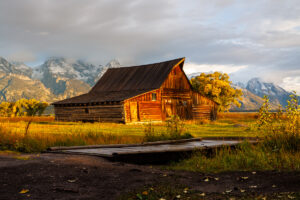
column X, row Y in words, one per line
column 143, row 108
column 203, row 108
column 101, row 113
column 176, row 95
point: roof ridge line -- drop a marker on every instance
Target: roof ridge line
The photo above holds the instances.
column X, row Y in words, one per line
column 145, row 64
column 126, row 90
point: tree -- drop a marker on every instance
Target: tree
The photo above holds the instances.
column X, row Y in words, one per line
column 23, row 107
column 6, row 109
column 19, row 108
column 34, row 107
column 217, row 87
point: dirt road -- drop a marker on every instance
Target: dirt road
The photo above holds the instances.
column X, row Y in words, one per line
column 57, row 176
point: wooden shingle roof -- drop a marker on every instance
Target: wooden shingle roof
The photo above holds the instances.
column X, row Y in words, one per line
column 118, row 84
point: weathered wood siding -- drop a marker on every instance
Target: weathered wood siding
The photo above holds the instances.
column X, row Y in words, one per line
column 143, row 108
column 203, row 108
column 176, row 95
column 102, row 113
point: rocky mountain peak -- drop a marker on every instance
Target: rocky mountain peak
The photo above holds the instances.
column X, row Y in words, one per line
column 113, row 64
column 67, row 69
column 275, row 93
column 14, row 68
column 239, row 85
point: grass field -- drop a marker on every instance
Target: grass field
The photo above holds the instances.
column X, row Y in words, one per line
column 276, row 152
column 44, row 132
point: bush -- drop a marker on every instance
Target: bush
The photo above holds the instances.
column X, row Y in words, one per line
column 282, row 133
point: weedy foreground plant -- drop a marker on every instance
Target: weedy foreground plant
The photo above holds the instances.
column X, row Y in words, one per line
column 174, row 130
column 279, row 149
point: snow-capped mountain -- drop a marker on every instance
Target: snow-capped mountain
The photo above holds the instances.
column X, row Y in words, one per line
column 67, row 69
column 14, row 68
column 72, row 69
column 112, row 64
column 276, row 94
column 239, row 85
column 55, row 79
column 57, row 73
column 16, row 83
column 60, row 78
column 250, row 101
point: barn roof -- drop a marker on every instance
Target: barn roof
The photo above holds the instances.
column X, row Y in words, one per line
column 118, row 84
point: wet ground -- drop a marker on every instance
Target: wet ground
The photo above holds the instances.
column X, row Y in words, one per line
column 60, row 176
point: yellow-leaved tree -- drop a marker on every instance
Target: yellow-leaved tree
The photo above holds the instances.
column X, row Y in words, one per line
column 217, row 87
column 6, row 109
column 34, row 107
column 22, row 107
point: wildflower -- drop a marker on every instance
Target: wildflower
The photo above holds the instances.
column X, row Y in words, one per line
column 185, row 190
column 202, row 194
column 23, row 191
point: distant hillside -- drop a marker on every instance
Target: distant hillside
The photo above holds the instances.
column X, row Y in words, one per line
column 251, row 102
column 14, row 87
column 17, row 68
column 276, row 94
column 56, row 79
column 71, row 77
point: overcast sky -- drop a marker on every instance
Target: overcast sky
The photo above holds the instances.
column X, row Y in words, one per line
column 247, row 38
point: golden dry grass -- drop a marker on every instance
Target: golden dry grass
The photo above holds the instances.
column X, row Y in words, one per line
column 45, row 132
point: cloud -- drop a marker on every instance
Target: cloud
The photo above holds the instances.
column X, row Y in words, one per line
column 190, row 68
column 22, row 56
column 291, row 83
column 263, row 35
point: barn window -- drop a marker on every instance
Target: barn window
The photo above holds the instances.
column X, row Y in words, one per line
column 153, row 96
column 86, row 110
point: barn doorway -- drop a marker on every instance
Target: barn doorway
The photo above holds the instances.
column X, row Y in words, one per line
column 134, row 112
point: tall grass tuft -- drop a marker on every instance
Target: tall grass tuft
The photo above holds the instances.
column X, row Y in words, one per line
column 174, row 130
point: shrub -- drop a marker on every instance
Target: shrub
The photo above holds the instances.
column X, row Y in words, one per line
column 281, row 132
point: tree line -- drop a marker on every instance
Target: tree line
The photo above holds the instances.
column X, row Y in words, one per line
column 22, row 107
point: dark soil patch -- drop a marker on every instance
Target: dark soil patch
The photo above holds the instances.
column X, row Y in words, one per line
column 59, row 176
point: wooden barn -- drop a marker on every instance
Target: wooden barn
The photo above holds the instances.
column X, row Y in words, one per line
column 140, row 93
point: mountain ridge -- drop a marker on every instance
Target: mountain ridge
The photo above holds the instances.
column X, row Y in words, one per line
column 59, row 78
column 56, row 79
